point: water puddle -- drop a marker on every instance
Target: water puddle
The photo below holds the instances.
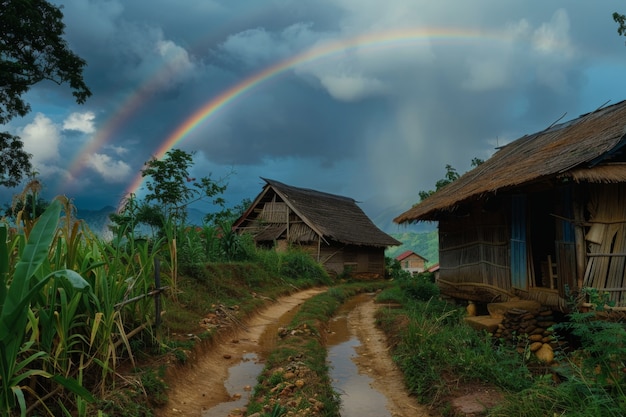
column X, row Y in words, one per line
column 239, row 385
column 242, row 377
column 358, row 398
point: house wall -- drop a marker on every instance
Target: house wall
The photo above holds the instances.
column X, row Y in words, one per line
column 480, row 253
column 361, row 260
column 474, row 248
column 413, row 264
column 582, row 227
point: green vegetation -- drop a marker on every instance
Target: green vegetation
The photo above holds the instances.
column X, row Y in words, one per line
column 438, row 352
column 74, row 308
column 450, row 176
column 62, row 327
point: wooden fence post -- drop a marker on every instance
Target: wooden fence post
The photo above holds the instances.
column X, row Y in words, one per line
column 157, row 297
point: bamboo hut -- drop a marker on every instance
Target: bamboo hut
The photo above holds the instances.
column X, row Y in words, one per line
column 542, row 219
column 332, row 228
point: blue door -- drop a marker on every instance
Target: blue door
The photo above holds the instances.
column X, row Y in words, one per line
column 519, row 266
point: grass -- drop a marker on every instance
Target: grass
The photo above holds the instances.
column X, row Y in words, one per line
column 143, row 390
column 437, row 351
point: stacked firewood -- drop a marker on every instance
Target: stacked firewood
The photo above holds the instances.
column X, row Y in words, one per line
column 529, row 331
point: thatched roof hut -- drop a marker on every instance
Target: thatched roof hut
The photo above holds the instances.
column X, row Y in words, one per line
column 333, row 228
column 547, row 205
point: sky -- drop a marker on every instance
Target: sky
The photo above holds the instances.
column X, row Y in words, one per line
column 361, row 98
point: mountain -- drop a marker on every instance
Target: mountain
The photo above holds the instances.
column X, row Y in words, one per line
column 421, row 238
column 98, row 220
column 425, row 244
column 382, row 216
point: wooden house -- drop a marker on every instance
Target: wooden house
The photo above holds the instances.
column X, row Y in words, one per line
column 332, row 228
column 412, row 262
column 543, row 218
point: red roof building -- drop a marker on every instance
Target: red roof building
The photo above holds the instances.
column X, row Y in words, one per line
column 412, row 262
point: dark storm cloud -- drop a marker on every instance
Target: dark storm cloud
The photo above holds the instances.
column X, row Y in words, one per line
column 373, row 120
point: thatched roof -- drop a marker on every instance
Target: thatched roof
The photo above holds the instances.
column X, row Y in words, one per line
column 581, row 149
column 331, row 216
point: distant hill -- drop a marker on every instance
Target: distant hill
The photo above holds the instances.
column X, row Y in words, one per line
column 382, row 215
column 425, row 244
column 97, row 220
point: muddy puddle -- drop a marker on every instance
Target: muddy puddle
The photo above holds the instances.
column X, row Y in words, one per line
column 242, row 377
column 358, row 398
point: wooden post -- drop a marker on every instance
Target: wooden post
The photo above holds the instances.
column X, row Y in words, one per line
column 579, row 239
column 157, row 297
column 319, row 244
column 288, row 237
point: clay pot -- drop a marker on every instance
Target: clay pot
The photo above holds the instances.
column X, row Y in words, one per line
column 471, row 309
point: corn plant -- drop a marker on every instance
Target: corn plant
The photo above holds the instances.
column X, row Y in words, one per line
column 18, row 358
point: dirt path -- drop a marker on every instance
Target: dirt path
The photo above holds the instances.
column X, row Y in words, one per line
column 375, row 361
column 201, row 387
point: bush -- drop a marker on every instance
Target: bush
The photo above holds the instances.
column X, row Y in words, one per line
column 299, row 264
column 420, row 288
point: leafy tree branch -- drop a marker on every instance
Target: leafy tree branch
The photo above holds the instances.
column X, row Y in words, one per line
column 32, row 49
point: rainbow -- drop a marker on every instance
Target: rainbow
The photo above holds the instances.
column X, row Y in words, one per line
column 380, row 39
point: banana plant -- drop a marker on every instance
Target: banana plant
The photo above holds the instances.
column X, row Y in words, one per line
column 18, row 360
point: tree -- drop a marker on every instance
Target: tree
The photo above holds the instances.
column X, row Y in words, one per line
column 171, row 186
column 171, row 190
column 32, row 49
column 620, row 19
column 451, row 176
column 228, row 215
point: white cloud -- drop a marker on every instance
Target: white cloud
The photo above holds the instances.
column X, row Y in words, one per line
column 112, row 171
column 119, row 150
column 553, row 38
column 176, row 62
column 81, row 122
column 41, row 139
column 523, row 53
column 351, row 88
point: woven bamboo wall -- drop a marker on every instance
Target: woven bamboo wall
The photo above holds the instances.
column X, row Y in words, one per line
column 361, row 260
column 606, row 241
column 274, row 212
column 475, row 249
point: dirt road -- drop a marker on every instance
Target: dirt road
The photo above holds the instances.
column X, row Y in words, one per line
column 201, row 386
column 375, row 361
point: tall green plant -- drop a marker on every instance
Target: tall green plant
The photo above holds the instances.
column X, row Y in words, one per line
column 17, row 358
